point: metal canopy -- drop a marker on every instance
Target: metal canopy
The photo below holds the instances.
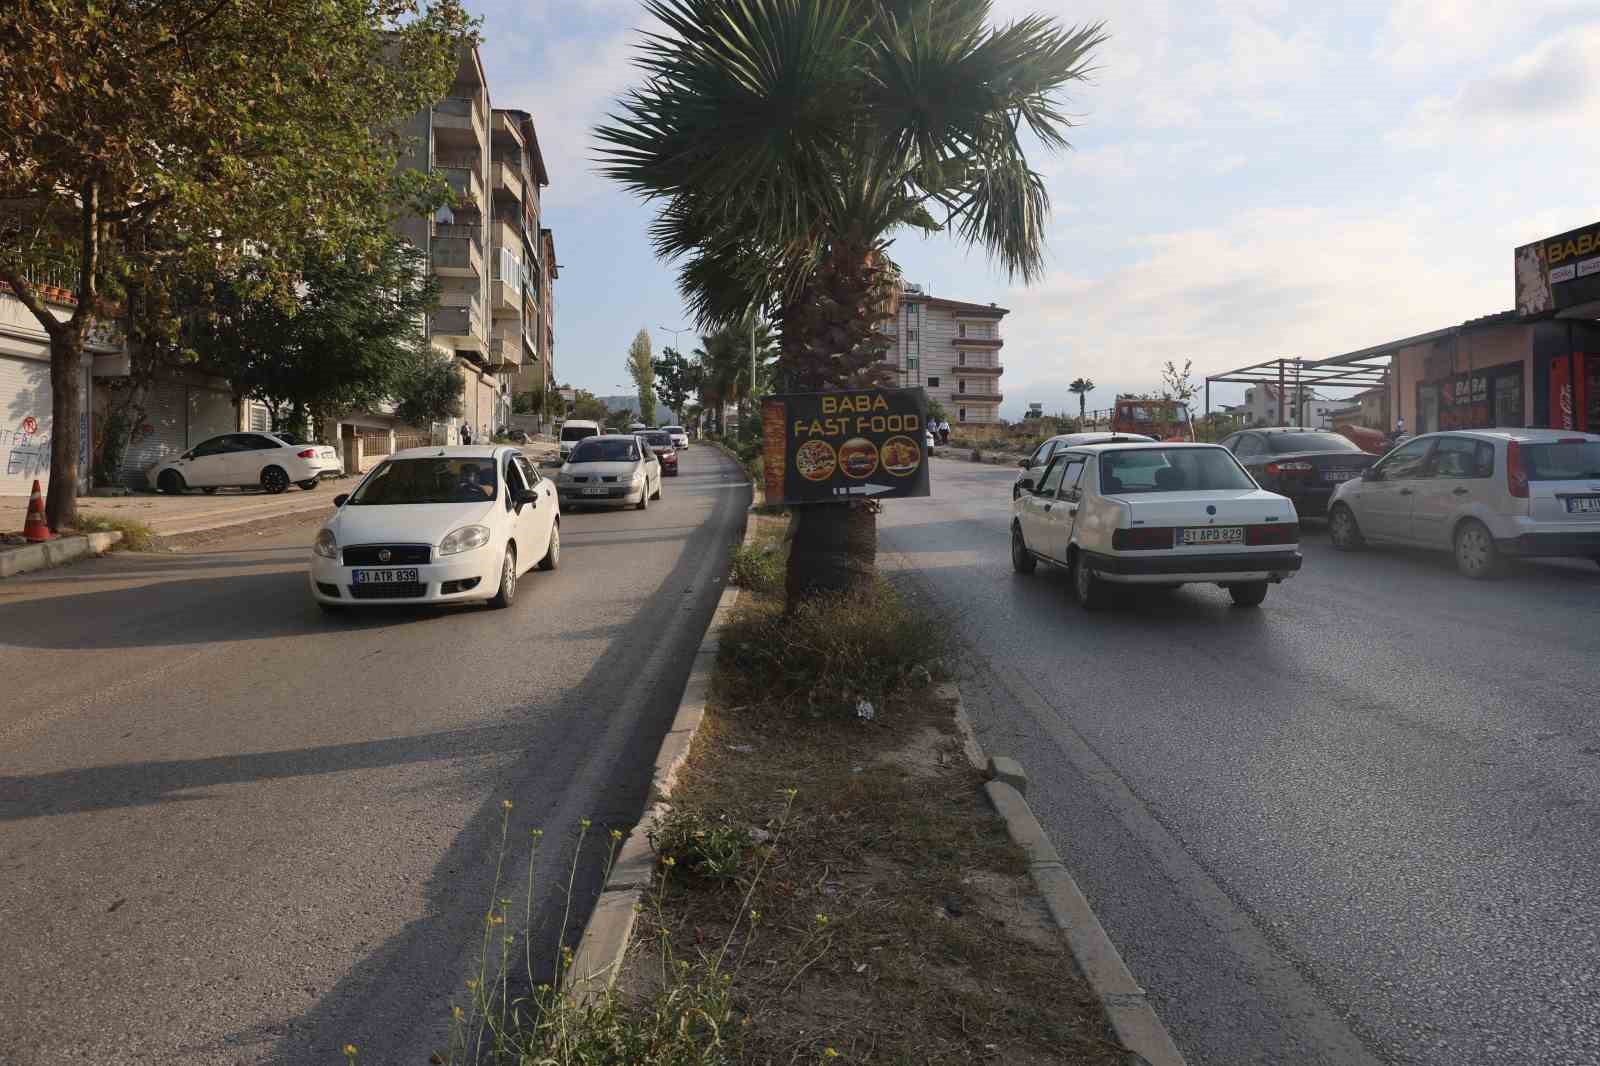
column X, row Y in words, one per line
column 1359, row 370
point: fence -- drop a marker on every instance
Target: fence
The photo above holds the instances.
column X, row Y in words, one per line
column 403, row 441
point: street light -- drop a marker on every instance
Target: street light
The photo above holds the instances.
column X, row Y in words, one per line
column 675, row 332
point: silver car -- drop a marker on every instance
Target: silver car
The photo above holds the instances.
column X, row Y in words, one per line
column 614, row 468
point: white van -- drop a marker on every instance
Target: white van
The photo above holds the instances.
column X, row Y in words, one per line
column 575, row 429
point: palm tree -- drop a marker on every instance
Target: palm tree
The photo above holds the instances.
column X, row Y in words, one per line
column 1083, row 387
column 788, row 141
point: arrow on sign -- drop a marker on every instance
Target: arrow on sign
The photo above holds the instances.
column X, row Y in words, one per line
column 862, row 490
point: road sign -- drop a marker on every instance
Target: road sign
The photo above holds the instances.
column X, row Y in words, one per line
column 851, row 444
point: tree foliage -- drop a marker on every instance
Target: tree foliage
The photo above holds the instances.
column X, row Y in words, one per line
column 587, row 405
column 677, row 378
column 1175, row 383
column 244, row 126
column 1083, row 387
column 642, row 370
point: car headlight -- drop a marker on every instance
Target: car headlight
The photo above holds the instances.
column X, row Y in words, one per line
column 327, row 545
column 638, row 476
column 464, row 540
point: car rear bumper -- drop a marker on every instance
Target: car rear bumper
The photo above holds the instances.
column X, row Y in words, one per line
column 1583, row 544
column 331, row 581
column 1168, row 569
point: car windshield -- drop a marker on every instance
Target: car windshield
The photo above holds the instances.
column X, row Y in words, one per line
column 578, row 432
column 1310, row 442
column 1170, row 470
column 658, row 440
column 435, row 479
column 290, row 438
column 1562, row 460
column 675, row 429
column 606, row 451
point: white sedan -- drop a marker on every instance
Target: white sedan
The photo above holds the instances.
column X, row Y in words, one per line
column 448, row 524
column 269, row 461
column 1154, row 514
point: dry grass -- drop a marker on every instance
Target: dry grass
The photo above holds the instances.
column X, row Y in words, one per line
column 893, row 919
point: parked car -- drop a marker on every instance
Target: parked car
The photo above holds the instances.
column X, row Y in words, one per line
column 1164, row 514
column 452, row 524
column 1033, row 466
column 1481, row 494
column 573, row 430
column 269, row 461
column 660, row 444
column 679, row 435
column 515, row 433
column 1305, row 465
column 610, row 469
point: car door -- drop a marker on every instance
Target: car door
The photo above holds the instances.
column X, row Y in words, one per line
column 207, row 463
column 1458, row 471
column 522, row 518
column 1060, row 515
column 543, row 515
column 1039, row 460
column 250, row 454
column 1251, row 451
column 1383, row 507
column 652, row 467
column 1036, row 508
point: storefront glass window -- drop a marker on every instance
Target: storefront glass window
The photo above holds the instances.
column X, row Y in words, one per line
column 1508, row 400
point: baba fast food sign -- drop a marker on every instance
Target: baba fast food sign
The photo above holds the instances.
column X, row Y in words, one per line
column 855, row 444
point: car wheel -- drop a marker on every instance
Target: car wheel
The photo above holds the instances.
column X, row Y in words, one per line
column 170, row 482
column 1091, row 591
column 657, row 496
column 644, row 498
column 1248, row 594
column 1022, row 560
column 552, row 557
column 1343, row 532
column 309, row 485
column 506, row 595
column 274, row 479
column 1476, row 555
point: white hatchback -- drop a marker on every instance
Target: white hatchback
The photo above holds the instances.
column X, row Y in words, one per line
column 1480, row 494
column 269, row 461
column 445, row 524
column 1163, row 514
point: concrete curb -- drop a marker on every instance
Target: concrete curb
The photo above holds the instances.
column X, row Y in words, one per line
column 1132, row 1018
column 53, row 553
column 964, row 455
column 604, row 944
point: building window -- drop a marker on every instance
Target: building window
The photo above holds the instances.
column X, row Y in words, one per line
column 961, row 414
column 933, row 383
column 911, row 336
column 961, row 329
column 961, row 385
column 961, row 358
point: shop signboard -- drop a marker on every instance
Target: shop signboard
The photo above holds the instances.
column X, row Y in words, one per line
column 1559, row 272
column 851, row 444
column 1478, row 399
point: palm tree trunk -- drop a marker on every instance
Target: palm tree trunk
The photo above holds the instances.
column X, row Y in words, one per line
column 830, row 340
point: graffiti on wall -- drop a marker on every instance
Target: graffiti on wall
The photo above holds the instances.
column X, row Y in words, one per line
column 27, row 451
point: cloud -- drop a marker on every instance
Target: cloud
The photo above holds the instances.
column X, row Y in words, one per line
column 1552, row 87
column 1420, row 34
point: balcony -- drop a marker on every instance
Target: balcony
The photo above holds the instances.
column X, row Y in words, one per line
column 459, row 117
column 977, row 342
column 505, row 350
column 465, row 182
column 457, row 257
column 976, row 397
column 507, row 176
column 968, row 370
column 457, row 323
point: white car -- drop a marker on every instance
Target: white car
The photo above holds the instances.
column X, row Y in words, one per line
column 575, row 429
column 680, row 436
column 1033, row 466
column 268, row 461
column 610, row 469
column 1481, row 494
column 1161, row 514
column 451, row 524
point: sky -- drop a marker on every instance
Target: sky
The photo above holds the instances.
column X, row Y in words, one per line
column 1248, row 180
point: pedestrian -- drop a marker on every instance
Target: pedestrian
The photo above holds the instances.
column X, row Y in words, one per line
column 944, row 432
column 466, row 433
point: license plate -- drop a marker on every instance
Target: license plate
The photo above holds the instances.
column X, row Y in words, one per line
column 1583, row 504
column 1214, row 535
column 384, row 577
column 595, row 490
column 1338, row 475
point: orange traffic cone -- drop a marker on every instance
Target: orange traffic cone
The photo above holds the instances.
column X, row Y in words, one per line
column 35, row 528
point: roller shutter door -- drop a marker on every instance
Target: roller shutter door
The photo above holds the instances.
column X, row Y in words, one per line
column 25, row 431
column 211, row 414
column 162, row 434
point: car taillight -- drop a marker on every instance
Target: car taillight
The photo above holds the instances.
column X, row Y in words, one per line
column 1516, row 477
column 309, row 453
column 1272, row 533
column 1144, row 539
column 1274, row 469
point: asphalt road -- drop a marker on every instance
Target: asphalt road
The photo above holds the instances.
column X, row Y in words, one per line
column 235, row 831
column 1357, row 825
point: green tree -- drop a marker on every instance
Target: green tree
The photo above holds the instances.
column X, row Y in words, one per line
column 677, row 379
column 586, row 405
column 429, row 388
column 1175, row 383
column 1083, row 387
column 936, row 410
column 789, row 140
column 243, row 125
column 643, row 372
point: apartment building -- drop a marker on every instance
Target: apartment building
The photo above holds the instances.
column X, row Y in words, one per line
column 952, row 349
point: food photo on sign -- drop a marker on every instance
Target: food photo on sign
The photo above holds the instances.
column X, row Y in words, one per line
column 847, row 444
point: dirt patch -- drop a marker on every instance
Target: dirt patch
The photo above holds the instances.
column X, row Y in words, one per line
column 208, row 538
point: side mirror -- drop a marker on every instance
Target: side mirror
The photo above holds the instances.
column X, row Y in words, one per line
column 1023, row 463
column 1372, row 473
column 529, row 496
column 339, row 500
column 1026, row 484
